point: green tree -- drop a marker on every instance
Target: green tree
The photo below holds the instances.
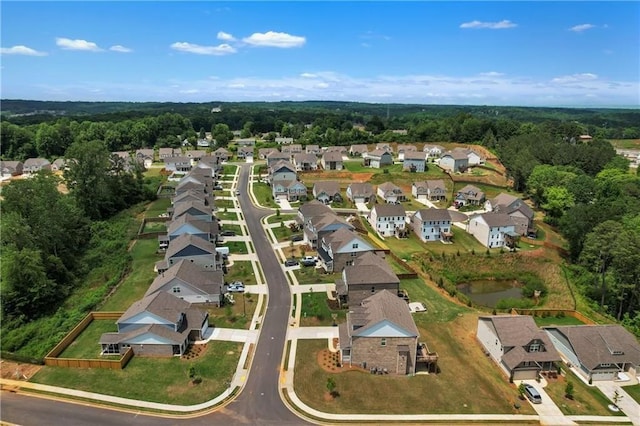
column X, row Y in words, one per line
column 48, row 141
column 569, row 390
column 558, row 200
column 331, row 385
column 221, row 133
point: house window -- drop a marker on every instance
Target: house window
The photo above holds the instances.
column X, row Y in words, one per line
column 373, row 289
column 349, row 263
column 176, row 289
column 605, row 364
column 355, row 245
column 354, row 254
column 534, row 347
column 383, row 342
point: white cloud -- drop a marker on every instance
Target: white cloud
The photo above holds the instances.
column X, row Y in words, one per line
column 21, row 50
column 491, row 74
column 121, row 49
column 220, row 50
column 308, row 75
column 575, row 78
column 77, row 44
column 581, row 27
column 274, row 39
column 225, row 36
column 504, row 24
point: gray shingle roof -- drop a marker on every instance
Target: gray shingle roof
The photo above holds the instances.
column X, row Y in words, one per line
column 313, row 208
column 207, row 281
column 381, row 306
column 185, row 240
column 331, row 187
column 332, row 156
column 385, row 210
column 369, row 268
column 361, row 189
column 201, row 225
column 497, row 219
column 163, row 305
column 414, row 155
column 336, row 240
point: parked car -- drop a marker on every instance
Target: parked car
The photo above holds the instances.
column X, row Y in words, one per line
column 298, row 237
column 237, row 192
column 235, row 287
column 308, row 261
column 532, row 393
column 228, row 233
column 291, row 262
column 217, row 187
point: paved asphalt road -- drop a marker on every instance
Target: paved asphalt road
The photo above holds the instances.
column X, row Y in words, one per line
column 258, row 404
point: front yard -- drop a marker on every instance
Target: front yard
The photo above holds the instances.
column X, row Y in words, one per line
column 262, row 192
column 311, row 275
column 241, row 271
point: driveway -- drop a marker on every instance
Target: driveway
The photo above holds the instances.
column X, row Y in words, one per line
column 284, row 204
column 362, row 207
column 627, row 404
column 548, row 411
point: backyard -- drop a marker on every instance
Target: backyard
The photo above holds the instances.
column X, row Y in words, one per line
column 263, row 195
column 311, row 275
column 317, row 310
column 87, row 344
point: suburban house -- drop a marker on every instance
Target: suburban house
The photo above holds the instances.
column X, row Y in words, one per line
column 383, row 146
column 188, row 224
column 292, row 149
column 168, row 153
column 11, row 168
column 305, row 162
column 435, row 224
column 264, row 152
column 360, row 192
column 311, row 209
column 197, row 187
column 341, row 248
column 358, row 150
column 193, row 195
column 432, row 190
column 58, row 165
column 245, row 142
column 517, row 345
column 196, row 209
column 518, row 211
column 380, row 334
column 469, row 196
column 283, row 141
column 388, row 220
column 203, row 143
column 157, row 325
column 473, row 157
column 390, row 193
column 189, row 282
column 282, row 171
column 277, row 156
column 433, row 151
column 313, row 149
column 331, row 161
column 34, row 165
column 190, row 248
column 146, row 156
column 177, row 164
column 316, row 227
column 222, row 154
column 369, row 274
column 414, row 161
column 245, row 152
column 454, row 162
column 599, row 352
column 341, row 149
column 327, row 191
column 404, row 149
column 123, row 155
column 493, row 230
column 195, row 155
column 377, row 158
column 285, row 183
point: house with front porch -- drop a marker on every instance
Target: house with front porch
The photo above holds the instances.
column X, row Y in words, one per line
column 341, row 248
column 435, row 224
column 313, row 149
column 390, row 193
column 316, row 227
column 221, row 154
column 377, row 158
column 245, row 153
column 380, row 335
column 305, row 162
column 331, row 161
column 389, row 220
column 189, row 282
column 414, row 162
column 598, row 352
column 360, row 192
column 168, row 153
column 158, row 325
column 292, row 149
column 493, row 230
column 469, row 195
column 433, row 151
column 519, row 211
column 327, row 191
column 282, row 171
column 517, row 345
column 292, row 190
column 368, row 274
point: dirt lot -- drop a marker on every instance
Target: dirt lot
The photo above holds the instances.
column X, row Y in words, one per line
column 17, row 371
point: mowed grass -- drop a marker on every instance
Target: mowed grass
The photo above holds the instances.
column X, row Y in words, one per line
column 86, row 345
column 172, row 386
column 282, row 218
column 587, row 400
column 311, row 275
column 230, row 227
column 222, row 215
column 157, row 207
column 263, row 195
column 155, row 227
column 229, row 169
column 440, row 309
column 241, row 271
column 556, row 321
column 625, row 143
column 237, row 315
column 137, row 281
column 317, row 312
column 283, row 233
column 236, row 247
column 633, row 391
column 462, row 243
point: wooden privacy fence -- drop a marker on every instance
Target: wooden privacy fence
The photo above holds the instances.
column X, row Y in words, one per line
column 553, row 313
column 52, row 357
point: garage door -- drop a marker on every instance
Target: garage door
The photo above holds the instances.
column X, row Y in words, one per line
column 605, row 375
column 524, row 374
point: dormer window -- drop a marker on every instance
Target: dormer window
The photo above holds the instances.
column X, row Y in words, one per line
column 535, row 347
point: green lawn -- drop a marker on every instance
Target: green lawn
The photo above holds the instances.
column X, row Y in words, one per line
column 229, row 169
column 172, row 386
column 237, row 315
column 222, row 204
column 558, row 321
column 588, row 400
column 625, row 143
column 282, row 218
column 235, row 228
column 236, row 247
column 262, row 192
column 439, row 308
column 86, row 345
column 634, row 392
column 141, row 275
column 489, row 190
column 311, row 275
column 317, row 312
column 155, row 227
column 282, row 233
column 241, row 271
column 222, row 215
column 157, row 207
column 462, row 242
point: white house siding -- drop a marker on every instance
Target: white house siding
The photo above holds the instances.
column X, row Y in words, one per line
column 447, row 163
column 480, row 231
column 489, row 340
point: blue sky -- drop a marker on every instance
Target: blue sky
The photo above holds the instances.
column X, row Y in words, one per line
column 484, row 53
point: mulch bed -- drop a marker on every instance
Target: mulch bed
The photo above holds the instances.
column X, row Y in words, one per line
column 329, row 362
column 194, row 351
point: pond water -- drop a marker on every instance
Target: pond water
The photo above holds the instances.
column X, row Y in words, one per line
column 490, row 292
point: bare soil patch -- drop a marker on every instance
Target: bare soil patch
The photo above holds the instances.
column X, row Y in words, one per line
column 330, row 362
column 18, row 371
column 194, row 352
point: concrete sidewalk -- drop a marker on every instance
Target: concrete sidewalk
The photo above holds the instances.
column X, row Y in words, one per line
column 627, row 404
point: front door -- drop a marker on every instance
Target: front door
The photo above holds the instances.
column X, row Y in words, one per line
column 402, row 363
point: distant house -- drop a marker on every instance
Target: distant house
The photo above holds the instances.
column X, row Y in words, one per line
column 58, row 165
column 433, row 151
column 316, row 227
column 264, row 152
column 378, row 158
column 193, row 195
column 341, row 248
column 277, row 156
column 245, row 142
column 599, row 352
column 433, row 190
column 585, row 138
column 282, row 171
column 145, row 156
column 292, row 149
column 435, row 224
column 360, row 192
column 469, row 196
column 284, row 182
column 189, row 282
column 34, row 165
column 197, row 209
column 519, row 212
column 203, row 143
column 384, row 146
column 517, row 345
column 222, row 154
column 190, row 248
column 245, row 152
column 283, row 141
column 380, row 334
column 369, row 274
column 331, row 161
column 493, row 230
column 177, row 164
column 168, row 152
column 195, row 155
column 188, row 224
column 11, row 168
column 414, row 162
column 390, row 193
column 388, row 220
column 311, row 209
column 305, row 162
column 313, row 149
column 157, row 325
column 327, row 191
column 341, row 149
column 454, row 162
column 358, row 150
column 404, row 149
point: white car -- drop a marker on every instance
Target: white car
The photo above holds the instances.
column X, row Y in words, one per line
column 236, row 287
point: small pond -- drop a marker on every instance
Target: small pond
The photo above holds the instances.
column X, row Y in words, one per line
column 490, row 292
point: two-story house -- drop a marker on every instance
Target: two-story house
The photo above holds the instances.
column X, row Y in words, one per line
column 192, row 249
column 177, row 164
column 189, row 282
column 433, row 151
column 34, row 165
column 276, row 157
column 327, row 191
column 313, row 149
column 168, row 153
column 188, row 224
column 263, row 153
column 246, row 153
column 432, row 190
column 284, row 182
column 222, row 154
column 404, row 149
column 454, row 162
column 519, row 211
column 390, row 193
column 316, row 227
column 360, row 192
column 369, row 274
column 517, row 345
column 469, row 195
column 305, row 162
column 377, row 158
column 414, row 162
column 388, row 220
column 435, row 224
column 358, row 150
column 493, row 230
column 341, row 248
column 331, row 161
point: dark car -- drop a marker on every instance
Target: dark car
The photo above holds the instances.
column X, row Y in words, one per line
column 291, row 262
column 218, row 187
column 228, row 233
column 297, row 237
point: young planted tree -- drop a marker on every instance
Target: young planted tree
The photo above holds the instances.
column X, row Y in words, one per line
column 568, row 390
column 331, row 386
